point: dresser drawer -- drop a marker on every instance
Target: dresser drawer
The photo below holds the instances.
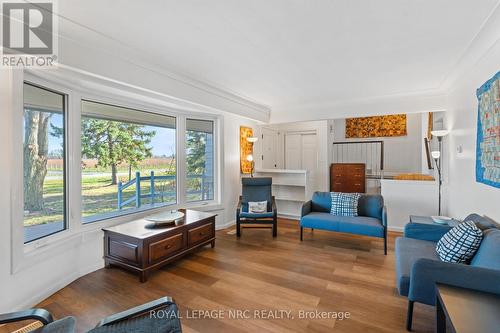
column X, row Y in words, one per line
column 200, row 234
column 165, row 247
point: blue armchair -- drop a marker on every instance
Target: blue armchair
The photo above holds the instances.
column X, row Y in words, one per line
column 371, row 219
column 418, row 267
column 256, row 189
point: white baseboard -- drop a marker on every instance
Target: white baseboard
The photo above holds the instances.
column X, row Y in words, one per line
column 225, row 225
column 398, row 229
column 55, row 287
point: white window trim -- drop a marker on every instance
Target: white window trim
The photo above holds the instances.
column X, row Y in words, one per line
column 25, row 255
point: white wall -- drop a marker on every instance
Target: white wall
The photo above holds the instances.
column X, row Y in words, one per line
column 401, row 154
column 463, row 194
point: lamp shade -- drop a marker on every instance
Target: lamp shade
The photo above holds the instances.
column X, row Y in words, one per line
column 440, row 133
column 252, row 139
column 436, row 154
column 250, row 158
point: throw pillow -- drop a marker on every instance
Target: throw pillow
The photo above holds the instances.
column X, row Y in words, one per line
column 345, row 204
column 460, row 243
column 257, row 206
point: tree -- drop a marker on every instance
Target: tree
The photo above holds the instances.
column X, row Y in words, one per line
column 196, row 142
column 35, row 150
column 114, row 142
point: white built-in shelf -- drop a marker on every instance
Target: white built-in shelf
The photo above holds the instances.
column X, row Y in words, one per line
column 290, row 188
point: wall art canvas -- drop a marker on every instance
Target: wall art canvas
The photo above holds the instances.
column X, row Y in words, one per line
column 488, row 133
column 375, row 127
column 246, row 149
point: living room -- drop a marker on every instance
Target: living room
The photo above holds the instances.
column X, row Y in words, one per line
column 276, row 166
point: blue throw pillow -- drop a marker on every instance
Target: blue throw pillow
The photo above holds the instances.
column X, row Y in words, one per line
column 488, row 255
column 460, row 243
column 345, row 204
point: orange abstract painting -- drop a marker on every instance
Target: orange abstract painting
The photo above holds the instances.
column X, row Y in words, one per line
column 378, row 126
column 246, row 148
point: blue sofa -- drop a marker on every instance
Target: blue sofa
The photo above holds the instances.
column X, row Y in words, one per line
column 371, row 219
column 418, row 267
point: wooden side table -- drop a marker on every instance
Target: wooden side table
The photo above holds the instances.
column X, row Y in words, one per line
column 466, row 310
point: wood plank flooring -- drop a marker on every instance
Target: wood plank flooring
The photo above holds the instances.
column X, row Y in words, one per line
column 327, row 272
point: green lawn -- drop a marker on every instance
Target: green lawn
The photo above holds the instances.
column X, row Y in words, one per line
column 98, row 196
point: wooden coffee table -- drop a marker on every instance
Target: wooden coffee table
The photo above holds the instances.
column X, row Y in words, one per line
column 134, row 247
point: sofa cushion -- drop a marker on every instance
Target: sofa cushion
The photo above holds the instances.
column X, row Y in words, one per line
column 409, row 250
column 359, row 225
column 371, row 205
column 256, row 215
column 460, row 243
column 488, row 255
column 345, row 204
column 482, row 222
column 320, row 220
column 321, row 202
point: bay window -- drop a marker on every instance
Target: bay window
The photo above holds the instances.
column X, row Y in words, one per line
column 126, row 157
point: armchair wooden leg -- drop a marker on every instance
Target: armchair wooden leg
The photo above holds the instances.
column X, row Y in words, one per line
column 385, row 240
column 301, row 234
column 409, row 316
column 238, row 228
column 275, row 228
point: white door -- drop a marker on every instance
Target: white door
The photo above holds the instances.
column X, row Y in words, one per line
column 309, row 156
column 269, row 148
column 293, row 151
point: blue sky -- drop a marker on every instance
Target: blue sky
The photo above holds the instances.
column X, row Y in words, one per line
column 163, row 142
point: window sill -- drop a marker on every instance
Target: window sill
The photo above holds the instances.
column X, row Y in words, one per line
column 89, row 226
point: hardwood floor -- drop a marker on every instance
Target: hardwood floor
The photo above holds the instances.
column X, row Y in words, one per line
column 327, row 272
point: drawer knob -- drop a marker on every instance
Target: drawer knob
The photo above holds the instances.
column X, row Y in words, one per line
column 168, row 247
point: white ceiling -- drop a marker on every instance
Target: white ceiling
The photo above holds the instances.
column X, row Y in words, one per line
column 288, row 52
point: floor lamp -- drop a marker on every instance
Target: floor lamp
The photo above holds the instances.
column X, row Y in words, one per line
column 436, row 155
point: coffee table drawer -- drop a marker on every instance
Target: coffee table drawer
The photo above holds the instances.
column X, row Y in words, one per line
column 200, row 234
column 163, row 248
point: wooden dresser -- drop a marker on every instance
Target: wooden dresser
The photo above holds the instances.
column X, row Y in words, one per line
column 348, row 177
column 134, row 247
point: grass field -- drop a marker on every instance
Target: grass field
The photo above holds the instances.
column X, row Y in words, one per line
column 98, row 195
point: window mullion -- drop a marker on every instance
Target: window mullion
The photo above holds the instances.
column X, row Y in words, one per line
column 181, row 160
column 73, row 154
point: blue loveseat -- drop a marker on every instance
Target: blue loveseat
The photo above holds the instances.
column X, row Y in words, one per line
column 418, row 267
column 371, row 219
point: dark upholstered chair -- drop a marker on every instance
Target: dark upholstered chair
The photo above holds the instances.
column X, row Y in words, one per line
column 256, row 189
column 138, row 319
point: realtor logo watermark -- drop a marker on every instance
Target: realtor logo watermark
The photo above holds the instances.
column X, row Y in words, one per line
column 28, row 34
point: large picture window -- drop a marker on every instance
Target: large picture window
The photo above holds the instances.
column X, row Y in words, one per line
column 199, row 160
column 128, row 160
column 44, row 160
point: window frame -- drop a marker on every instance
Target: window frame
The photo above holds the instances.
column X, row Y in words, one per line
column 100, row 90
column 65, row 158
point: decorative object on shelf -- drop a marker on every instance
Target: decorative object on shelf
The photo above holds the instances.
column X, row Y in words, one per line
column 377, row 126
column 436, row 155
column 252, row 164
column 165, row 218
column 246, row 148
column 488, row 133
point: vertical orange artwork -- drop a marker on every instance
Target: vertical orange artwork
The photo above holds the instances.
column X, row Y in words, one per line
column 246, row 148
